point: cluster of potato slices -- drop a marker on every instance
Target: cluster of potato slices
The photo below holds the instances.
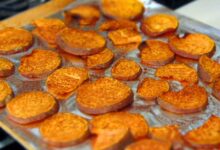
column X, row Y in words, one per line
column 105, row 95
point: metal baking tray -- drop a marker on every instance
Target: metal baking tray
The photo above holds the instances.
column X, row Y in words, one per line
column 29, row 136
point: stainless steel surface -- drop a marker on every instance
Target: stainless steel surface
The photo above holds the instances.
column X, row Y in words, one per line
column 29, row 135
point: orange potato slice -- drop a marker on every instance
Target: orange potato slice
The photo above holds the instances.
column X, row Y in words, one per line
column 216, row 89
column 159, row 24
column 126, row 69
column 192, row 45
column 64, row 129
column 149, row 144
column 46, row 29
column 122, row 9
column 5, row 94
column 79, row 42
column 120, row 120
column 110, row 25
column 156, row 53
column 208, row 69
column 63, row 82
column 206, row 136
column 7, row 68
column 39, row 63
column 125, row 36
column 100, row 60
column 85, row 14
column 13, row 40
column 32, row 106
column 112, row 139
column 189, row 100
column 180, row 72
column 103, row 95
column 150, row 89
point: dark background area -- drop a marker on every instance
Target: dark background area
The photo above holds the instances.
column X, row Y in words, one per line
column 11, row 7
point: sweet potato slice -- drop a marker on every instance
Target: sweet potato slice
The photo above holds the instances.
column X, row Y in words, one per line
column 46, row 30
column 149, row 144
column 39, row 63
column 156, row 53
column 205, row 136
column 13, row 40
column 110, row 25
column 189, row 100
column 122, row 9
column 208, row 69
column 103, row 95
column 126, row 69
column 64, row 129
column 6, row 93
column 180, row 72
column 117, row 120
column 159, row 24
column 85, row 14
column 216, row 89
column 7, row 68
column 112, row 139
column 125, row 36
column 32, row 106
column 192, row 45
column 79, row 42
column 100, row 60
column 150, row 89
column 64, row 81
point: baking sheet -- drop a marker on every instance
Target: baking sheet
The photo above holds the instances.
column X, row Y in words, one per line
column 28, row 135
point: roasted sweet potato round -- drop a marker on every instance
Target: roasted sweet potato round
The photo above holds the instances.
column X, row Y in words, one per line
column 31, row 107
column 85, row 14
column 206, row 136
column 7, row 68
column 216, row 89
column 110, row 25
column 122, row 9
column 189, row 100
column 13, row 40
column 149, row 144
column 156, row 53
column 159, row 24
column 103, row 95
column 79, row 42
column 117, row 120
column 192, row 45
column 114, row 139
column 150, row 89
column 64, row 129
column 125, row 36
column 126, row 69
column 64, row 81
column 208, row 69
column 6, row 93
column 39, row 63
column 100, row 60
column 180, row 72
column 46, row 30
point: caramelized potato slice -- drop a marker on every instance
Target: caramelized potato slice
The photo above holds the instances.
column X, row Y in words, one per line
column 54, row 129
column 103, row 95
column 79, row 42
column 5, row 94
column 159, row 24
column 189, row 100
column 156, row 53
column 208, row 69
column 13, row 40
column 192, row 45
column 180, row 72
column 205, row 136
column 122, row 9
column 216, row 89
column 117, row 120
column 150, row 89
column 7, row 68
